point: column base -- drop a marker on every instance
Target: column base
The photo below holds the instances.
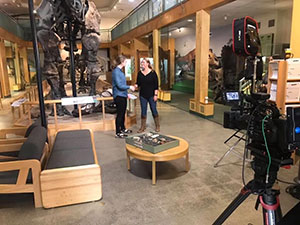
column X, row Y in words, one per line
column 164, row 96
column 204, row 109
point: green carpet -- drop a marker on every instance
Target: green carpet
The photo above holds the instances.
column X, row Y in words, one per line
column 187, row 86
column 181, row 100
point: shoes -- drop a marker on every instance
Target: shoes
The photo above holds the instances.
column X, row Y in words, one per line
column 126, row 131
column 121, row 135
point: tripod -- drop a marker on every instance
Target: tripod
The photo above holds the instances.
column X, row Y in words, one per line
column 240, row 137
column 269, row 199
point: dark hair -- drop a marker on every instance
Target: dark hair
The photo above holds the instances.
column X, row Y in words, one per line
column 149, row 63
column 117, row 61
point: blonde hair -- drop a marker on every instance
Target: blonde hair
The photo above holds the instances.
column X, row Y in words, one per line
column 117, row 61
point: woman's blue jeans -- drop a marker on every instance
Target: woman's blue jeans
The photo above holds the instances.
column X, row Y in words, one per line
column 152, row 104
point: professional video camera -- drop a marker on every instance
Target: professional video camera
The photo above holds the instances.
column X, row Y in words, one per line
column 270, row 136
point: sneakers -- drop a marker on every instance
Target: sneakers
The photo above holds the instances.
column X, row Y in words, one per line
column 121, row 135
column 126, row 131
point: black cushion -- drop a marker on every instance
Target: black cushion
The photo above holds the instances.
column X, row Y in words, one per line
column 72, row 140
column 9, row 177
column 32, row 126
column 34, row 145
column 60, row 159
column 71, row 148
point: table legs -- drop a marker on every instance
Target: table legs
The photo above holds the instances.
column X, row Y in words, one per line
column 187, row 163
column 153, row 172
column 128, row 161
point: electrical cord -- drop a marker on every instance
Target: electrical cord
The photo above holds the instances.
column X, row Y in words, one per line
column 266, row 144
column 286, row 182
column 245, row 149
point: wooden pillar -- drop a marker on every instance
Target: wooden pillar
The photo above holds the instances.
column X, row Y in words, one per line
column 138, row 45
column 23, row 54
column 172, row 61
column 156, row 44
column 5, row 90
column 199, row 104
column 17, row 67
column 295, row 33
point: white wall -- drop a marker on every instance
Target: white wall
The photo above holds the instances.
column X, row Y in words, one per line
column 219, row 37
column 185, row 44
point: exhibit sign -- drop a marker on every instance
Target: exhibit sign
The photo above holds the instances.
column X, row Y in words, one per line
column 77, row 100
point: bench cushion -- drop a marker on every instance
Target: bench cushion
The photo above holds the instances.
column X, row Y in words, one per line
column 9, row 177
column 34, row 145
column 32, row 126
column 71, row 148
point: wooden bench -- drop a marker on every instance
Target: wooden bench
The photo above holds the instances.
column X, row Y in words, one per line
column 72, row 174
column 21, row 163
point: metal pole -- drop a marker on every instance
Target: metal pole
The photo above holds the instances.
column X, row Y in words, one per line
column 72, row 64
column 37, row 64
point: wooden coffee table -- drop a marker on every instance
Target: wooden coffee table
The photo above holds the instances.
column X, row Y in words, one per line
column 171, row 154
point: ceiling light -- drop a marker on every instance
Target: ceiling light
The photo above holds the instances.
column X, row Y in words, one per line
column 18, row 5
column 131, row 0
column 115, row 7
column 5, row 4
column 225, row 17
column 190, row 20
column 170, row 34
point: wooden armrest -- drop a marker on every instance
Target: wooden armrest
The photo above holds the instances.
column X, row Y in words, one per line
column 23, row 166
column 20, row 164
column 12, row 141
column 10, row 147
column 14, row 130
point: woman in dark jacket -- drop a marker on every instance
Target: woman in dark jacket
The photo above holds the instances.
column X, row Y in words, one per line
column 147, row 81
column 120, row 95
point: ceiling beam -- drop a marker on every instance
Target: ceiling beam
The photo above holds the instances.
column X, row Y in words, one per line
column 179, row 12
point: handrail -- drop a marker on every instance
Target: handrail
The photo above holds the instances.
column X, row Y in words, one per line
column 58, row 101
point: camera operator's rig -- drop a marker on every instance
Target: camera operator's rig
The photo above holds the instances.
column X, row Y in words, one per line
column 270, row 137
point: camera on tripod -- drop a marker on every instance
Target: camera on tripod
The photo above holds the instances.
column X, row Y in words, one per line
column 271, row 137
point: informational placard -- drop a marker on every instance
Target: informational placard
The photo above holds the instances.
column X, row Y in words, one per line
column 77, row 100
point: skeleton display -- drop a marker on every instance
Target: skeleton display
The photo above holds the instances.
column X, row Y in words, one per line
column 65, row 20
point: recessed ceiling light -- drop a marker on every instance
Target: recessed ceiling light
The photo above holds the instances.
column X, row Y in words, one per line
column 190, row 20
column 115, row 7
column 131, row 0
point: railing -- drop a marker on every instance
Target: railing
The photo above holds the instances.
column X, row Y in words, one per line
column 30, row 94
column 144, row 12
column 245, row 86
column 29, row 106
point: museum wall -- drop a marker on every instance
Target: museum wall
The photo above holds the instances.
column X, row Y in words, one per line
column 186, row 43
column 219, row 37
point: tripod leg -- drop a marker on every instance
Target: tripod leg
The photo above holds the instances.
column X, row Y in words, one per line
column 231, row 149
column 233, row 205
column 234, row 135
column 271, row 208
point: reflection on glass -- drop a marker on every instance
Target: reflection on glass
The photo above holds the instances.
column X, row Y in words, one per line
column 170, row 3
column 128, row 70
column 157, row 7
column 143, row 14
